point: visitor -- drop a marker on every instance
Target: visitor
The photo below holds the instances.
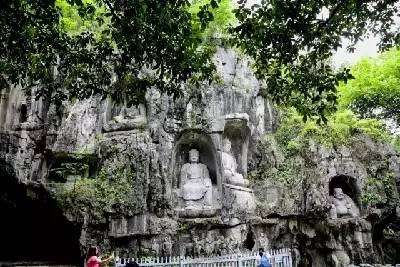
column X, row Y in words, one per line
column 262, row 259
column 93, row 259
column 258, row 257
column 132, row 263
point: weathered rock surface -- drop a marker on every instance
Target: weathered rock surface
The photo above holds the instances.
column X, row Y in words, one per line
column 148, row 145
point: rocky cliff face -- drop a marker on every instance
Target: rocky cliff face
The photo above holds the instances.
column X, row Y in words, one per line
column 123, row 177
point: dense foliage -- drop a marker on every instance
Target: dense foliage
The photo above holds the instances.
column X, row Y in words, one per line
column 77, row 48
column 73, row 24
column 375, row 91
column 217, row 29
column 293, row 133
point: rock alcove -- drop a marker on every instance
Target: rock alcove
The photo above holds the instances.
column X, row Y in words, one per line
column 348, row 184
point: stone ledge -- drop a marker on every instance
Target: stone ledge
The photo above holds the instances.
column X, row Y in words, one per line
column 197, row 213
column 237, row 116
column 123, row 132
column 237, row 187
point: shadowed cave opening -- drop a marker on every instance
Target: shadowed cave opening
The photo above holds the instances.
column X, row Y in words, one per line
column 32, row 228
column 23, row 113
column 249, row 242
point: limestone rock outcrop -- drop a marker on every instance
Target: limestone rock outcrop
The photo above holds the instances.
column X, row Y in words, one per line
column 194, row 173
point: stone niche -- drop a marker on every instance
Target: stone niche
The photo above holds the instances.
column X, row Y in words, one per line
column 124, row 118
column 196, row 178
column 20, row 112
column 68, row 167
column 129, row 226
column 238, row 198
column 343, row 197
column 237, row 131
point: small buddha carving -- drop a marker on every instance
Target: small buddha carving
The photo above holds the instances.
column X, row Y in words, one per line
column 342, row 205
column 197, row 186
column 129, row 118
column 229, row 167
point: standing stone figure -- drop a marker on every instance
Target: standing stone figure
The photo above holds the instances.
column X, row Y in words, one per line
column 230, row 245
column 222, row 246
column 229, row 167
column 342, row 205
column 155, row 247
column 197, row 186
column 263, row 242
column 197, row 246
column 296, row 256
column 167, row 246
column 209, row 246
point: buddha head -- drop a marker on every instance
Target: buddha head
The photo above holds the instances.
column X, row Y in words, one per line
column 194, row 156
column 338, row 193
column 227, row 145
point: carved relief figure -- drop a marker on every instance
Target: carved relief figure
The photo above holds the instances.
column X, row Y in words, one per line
column 197, row 186
column 129, row 118
column 315, row 198
column 229, row 166
column 342, row 205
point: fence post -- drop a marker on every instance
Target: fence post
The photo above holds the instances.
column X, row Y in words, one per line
column 181, row 261
column 290, row 258
column 239, row 261
column 116, row 261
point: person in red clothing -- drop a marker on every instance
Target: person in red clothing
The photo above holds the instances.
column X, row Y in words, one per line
column 93, row 259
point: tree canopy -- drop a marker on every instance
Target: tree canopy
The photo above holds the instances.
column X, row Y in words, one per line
column 375, row 91
column 120, row 48
column 139, row 44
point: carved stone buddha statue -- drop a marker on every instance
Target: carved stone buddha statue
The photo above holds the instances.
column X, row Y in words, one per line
column 342, row 205
column 229, row 167
column 196, row 183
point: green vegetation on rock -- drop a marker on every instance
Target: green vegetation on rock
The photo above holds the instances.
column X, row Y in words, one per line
column 110, row 191
column 379, row 192
column 279, row 166
column 341, row 127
